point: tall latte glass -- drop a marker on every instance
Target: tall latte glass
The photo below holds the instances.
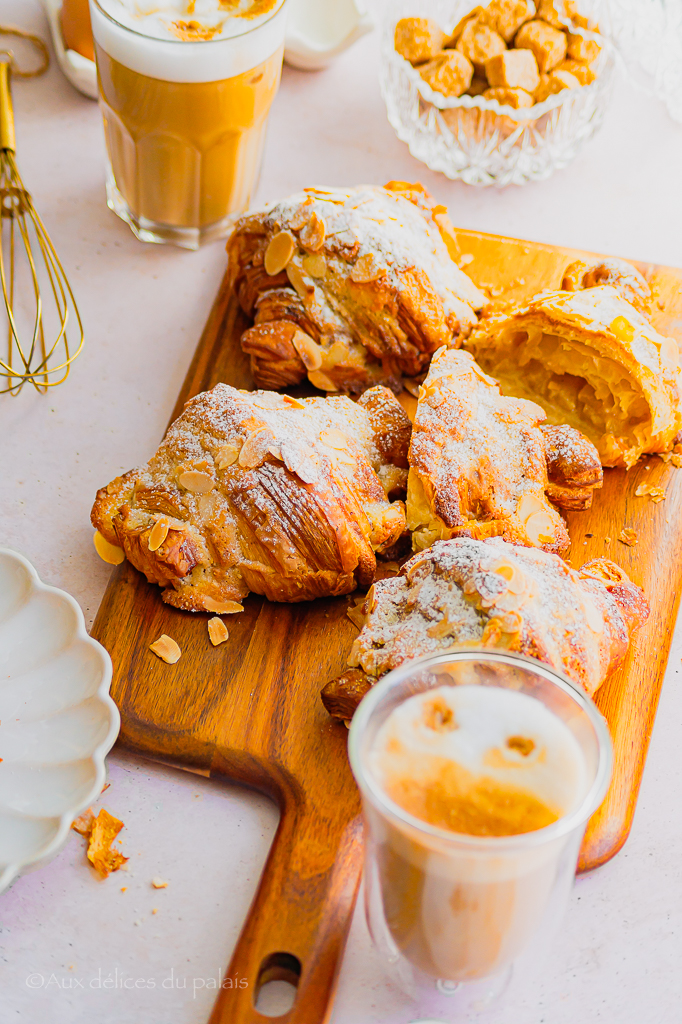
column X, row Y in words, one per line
column 185, row 89
column 478, row 772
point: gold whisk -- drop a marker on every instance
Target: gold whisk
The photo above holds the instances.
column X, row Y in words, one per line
column 38, row 348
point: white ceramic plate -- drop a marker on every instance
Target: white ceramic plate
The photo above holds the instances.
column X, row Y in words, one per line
column 57, row 720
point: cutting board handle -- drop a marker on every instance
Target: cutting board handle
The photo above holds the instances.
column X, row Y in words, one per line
column 298, row 922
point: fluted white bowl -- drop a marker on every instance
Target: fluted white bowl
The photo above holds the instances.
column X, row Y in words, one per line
column 57, row 720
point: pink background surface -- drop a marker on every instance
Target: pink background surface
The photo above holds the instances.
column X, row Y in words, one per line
column 63, row 932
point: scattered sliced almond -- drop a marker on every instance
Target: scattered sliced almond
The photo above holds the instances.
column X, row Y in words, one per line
column 227, row 455
column 413, row 387
column 167, row 649
column 315, row 264
column 528, row 506
column 294, row 402
column 196, row 482
column 255, row 448
column 367, row 269
column 281, row 248
column 540, row 528
column 309, row 351
column 83, row 823
column 650, row 491
column 217, row 631
column 158, row 883
column 440, row 629
column 222, row 607
column 628, row 536
column 298, row 281
column 322, row 381
column 107, row 551
column 334, row 439
column 312, row 235
column 158, row 534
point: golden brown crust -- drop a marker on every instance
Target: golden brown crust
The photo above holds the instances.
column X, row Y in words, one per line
column 622, row 276
column 494, row 594
column 479, row 462
column 341, row 696
column 591, row 360
column 572, row 460
column 260, row 492
column 365, row 273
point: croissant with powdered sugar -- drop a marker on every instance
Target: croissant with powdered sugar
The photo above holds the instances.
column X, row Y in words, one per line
column 256, row 491
column 349, row 287
column 493, row 594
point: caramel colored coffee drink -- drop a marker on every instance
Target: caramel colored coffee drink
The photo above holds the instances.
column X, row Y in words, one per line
column 185, row 91
column 482, row 762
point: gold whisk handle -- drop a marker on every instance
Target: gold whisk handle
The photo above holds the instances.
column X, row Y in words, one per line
column 7, row 137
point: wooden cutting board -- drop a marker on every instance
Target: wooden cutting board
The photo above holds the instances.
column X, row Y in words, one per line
column 249, row 710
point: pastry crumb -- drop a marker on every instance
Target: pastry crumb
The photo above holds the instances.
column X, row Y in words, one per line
column 628, row 536
column 100, row 832
column 356, row 614
column 158, row 883
column 650, row 491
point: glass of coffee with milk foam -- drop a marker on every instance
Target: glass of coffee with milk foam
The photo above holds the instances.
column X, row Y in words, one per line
column 478, row 771
column 185, row 88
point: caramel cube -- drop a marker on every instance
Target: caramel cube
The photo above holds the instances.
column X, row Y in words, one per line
column 513, row 69
column 461, row 25
column 516, row 98
column 553, row 83
column 507, row 16
column 418, row 39
column 449, row 73
column 478, row 86
column 547, row 43
column 552, row 10
column 585, row 50
column 478, row 43
column 581, row 71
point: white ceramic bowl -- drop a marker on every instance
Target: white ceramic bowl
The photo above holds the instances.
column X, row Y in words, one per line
column 57, row 720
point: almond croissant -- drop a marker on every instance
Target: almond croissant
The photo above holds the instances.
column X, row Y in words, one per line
column 262, row 492
column 351, row 287
column 482, row 464
column 494, row 594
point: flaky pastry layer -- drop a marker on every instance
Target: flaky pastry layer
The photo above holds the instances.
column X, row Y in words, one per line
column 494, row 594
column 255, row 491
column 349, row 287
column 592, row 360
column 480, row 463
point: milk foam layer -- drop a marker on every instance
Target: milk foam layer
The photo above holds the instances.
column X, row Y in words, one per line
column 492, row 733
column 152, row 37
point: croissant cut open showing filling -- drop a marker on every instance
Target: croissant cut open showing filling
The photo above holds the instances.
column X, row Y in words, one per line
column 591, row 360
column 575, row 385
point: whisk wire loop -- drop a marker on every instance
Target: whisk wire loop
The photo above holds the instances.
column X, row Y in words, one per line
column 39, row 351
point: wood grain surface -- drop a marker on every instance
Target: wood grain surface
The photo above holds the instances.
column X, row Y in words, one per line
column 249, row 710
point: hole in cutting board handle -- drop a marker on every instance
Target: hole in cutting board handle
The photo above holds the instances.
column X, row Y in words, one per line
column 276, row 984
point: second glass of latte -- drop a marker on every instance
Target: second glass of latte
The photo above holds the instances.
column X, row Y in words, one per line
column 479, row 771
column 185, row 88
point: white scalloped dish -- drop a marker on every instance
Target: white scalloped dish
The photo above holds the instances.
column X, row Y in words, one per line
column 57, row 720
